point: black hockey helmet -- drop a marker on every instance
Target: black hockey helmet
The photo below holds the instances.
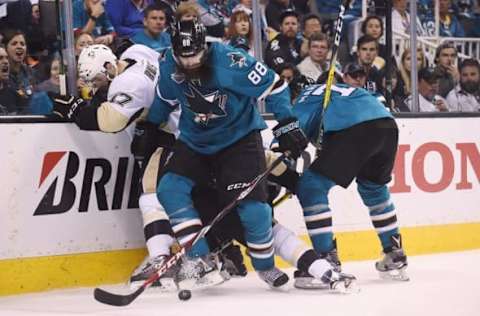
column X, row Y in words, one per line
column 188, row 38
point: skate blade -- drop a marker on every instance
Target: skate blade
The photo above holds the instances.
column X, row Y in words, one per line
column 310, row 284
column 345, row 287
column 395, row 275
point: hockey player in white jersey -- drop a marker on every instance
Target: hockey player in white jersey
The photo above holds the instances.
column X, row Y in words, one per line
column 131, row 82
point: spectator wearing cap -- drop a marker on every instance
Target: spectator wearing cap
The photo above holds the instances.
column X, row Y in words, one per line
column 310, row 25
column 126, row 16
column 153, row 34
column 89, row 17
column 285, row 47
column 316, row 62
column 367, row 57
column 446, row 65
column 450, row 26
column 465, row 97
column 428, row 97
column 274, row 11
column 354, row 75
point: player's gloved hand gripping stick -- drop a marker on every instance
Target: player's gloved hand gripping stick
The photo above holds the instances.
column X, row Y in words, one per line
column 123, row 300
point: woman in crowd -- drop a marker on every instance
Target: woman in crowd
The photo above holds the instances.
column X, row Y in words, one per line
column 240, row 31
column 21, row 78
column 53, row 83
column 404, row 83
column 373, row 26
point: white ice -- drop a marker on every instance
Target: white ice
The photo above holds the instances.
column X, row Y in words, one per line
column 444, row 284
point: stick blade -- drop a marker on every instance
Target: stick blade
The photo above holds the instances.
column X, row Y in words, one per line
column 116, row 299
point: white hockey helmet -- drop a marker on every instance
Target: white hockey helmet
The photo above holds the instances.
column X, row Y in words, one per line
column 92, row 61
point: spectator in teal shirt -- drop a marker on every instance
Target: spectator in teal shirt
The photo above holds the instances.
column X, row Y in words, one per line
column 89, row 17
column 126, row 15
column 153, row 34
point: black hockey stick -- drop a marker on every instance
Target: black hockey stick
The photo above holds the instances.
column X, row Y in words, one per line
column 123, row 300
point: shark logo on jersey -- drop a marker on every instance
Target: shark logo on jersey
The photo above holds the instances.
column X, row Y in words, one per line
column 177, row 77
column 237, row 59
column 206, row 107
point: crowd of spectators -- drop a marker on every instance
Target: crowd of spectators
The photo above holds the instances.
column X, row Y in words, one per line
column 296, row 35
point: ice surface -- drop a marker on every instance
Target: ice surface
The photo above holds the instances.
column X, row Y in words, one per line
column 445, row 284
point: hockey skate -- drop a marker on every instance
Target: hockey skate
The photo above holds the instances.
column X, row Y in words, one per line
column 147, row 268
column 394, row 264
column 200, row 272
column 335, row 281
column 340, row 282
column 274, row 277
column 332, row 257
column 232, row 261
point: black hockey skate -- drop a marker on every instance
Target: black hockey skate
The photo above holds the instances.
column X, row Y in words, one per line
column 232, row 261
column 200, row 272
column 150, row 266
column 274, row 277
column 394, row 264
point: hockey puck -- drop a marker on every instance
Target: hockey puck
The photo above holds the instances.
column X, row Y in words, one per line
column 184, row 295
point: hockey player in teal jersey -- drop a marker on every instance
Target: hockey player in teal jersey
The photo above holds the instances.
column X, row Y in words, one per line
column 220, row 139
column 360, row 139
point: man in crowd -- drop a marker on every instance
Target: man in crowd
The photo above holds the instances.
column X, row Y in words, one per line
column 285, row 47
column 311, row 24
column 367, row 52
column 465, row 97
column 153, row 34
column 316, row 62
column 429, row 100
column 446, row 67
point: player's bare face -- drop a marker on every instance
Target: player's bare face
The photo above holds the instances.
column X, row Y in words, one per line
column 192, row 62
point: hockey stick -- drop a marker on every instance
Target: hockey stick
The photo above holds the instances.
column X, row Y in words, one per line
column 333, row 59
column 331, row 70
column 123, row 300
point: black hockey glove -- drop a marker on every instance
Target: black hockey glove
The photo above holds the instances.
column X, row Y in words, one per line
column 147, row 138
column 290, row 137
column 66, row 106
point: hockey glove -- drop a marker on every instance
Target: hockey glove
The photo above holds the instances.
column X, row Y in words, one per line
column 290, row 137
column 66, row 106
column 147, row 138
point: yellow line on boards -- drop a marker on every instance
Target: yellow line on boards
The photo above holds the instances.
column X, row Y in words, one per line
column 89, row 269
